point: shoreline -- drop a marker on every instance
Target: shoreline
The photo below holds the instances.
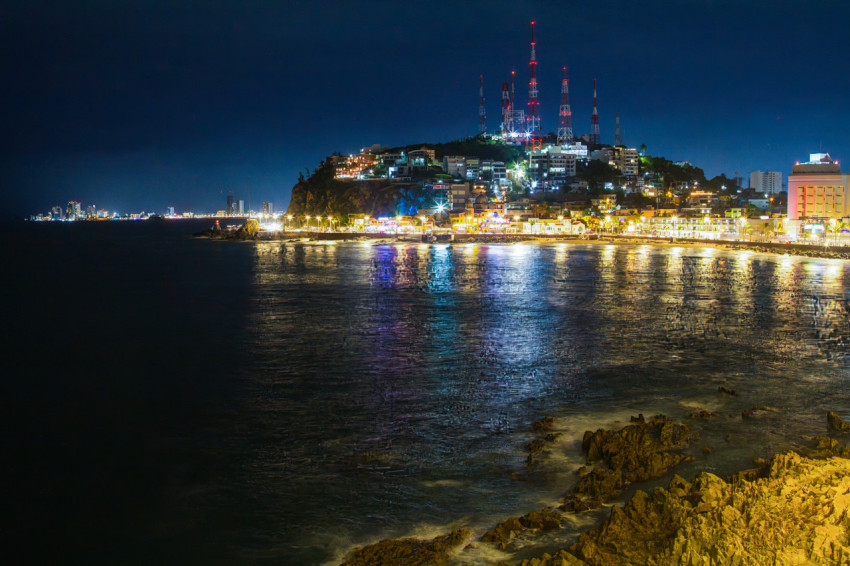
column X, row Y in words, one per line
column 801, row 250
column 727, row 518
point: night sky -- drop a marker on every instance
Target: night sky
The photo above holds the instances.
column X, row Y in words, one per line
column 142, row 105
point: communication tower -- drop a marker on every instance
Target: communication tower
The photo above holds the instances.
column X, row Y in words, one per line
column 533, row 102
column 618, row 140
column 565, row 115
column 482, row 116
column 506, row 111
column 594, row 119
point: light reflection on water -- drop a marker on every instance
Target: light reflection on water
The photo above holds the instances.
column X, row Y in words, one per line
column 394, row 385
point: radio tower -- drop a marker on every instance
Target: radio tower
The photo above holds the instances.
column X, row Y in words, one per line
column 618, row 140
column 506, row 110
column 517, row 116
column 482, row 116
column 565, row 115
column 533, row 103
column 594, row 119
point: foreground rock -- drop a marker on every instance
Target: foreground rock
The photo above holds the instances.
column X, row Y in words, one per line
column 796, row 513
column 641, row 451
column 825, row 447
column 836, row 422
column 248, row 231
column 409, row 551
column 541, row 520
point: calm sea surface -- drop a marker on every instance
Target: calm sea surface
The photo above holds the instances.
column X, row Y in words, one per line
column 174, row 400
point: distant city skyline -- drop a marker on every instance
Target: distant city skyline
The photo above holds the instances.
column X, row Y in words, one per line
column 139, row 108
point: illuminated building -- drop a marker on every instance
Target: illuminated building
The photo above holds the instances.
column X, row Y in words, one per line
column 458, row 193
column 492, row 170
column 473, row 168
column 817, row 190
column 625, row 160
column 268, row 208
column 549, row 167
column 455, row 165
column 390, row 159
column 699, row 204
column 420, row 157
column 766, row 181
column 353, row 166
column 74, row 210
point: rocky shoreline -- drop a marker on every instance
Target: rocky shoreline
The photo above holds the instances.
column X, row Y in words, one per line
column 792, row 509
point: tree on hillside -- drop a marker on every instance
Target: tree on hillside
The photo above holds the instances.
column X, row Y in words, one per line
column 596, row 173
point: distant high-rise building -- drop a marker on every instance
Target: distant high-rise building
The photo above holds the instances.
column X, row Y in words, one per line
column 170, row 211
column 229, row 210
column 74, row 210
column 268, row 208
column 766, row 181
column 817, row 191
column 240, row 208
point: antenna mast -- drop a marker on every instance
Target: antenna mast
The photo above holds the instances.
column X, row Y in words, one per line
column 533, row 103
column 565, row 115
column 594, row 119
column 482, row 117
column 618, row 140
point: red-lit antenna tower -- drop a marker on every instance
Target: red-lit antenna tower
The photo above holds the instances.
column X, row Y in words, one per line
column 482, row 116
column 565, row 115
column 506, row 110
column 594, row 119
column 533, row 104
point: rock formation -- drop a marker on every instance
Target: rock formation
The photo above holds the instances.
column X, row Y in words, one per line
column 541, row 520
column 409, row 551
column 640, row 451
column 796, row 514
column 836, row 422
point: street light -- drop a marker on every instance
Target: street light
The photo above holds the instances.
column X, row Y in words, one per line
column 308, row 222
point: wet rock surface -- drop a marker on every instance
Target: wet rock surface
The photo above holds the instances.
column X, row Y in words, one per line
column 409, row 551
column 543, row 425
column 795, row 514
column 700, row 413
column 791, row 509
column 836, row 422
column 754, row 411
column 248, row 231
column 642, row 450
column 541, row 520
column 826, row 447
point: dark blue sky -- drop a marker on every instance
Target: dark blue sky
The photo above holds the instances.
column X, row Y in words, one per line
column 141, row 105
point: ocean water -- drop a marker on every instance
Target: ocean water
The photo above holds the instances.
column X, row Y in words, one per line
column 176, row 400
